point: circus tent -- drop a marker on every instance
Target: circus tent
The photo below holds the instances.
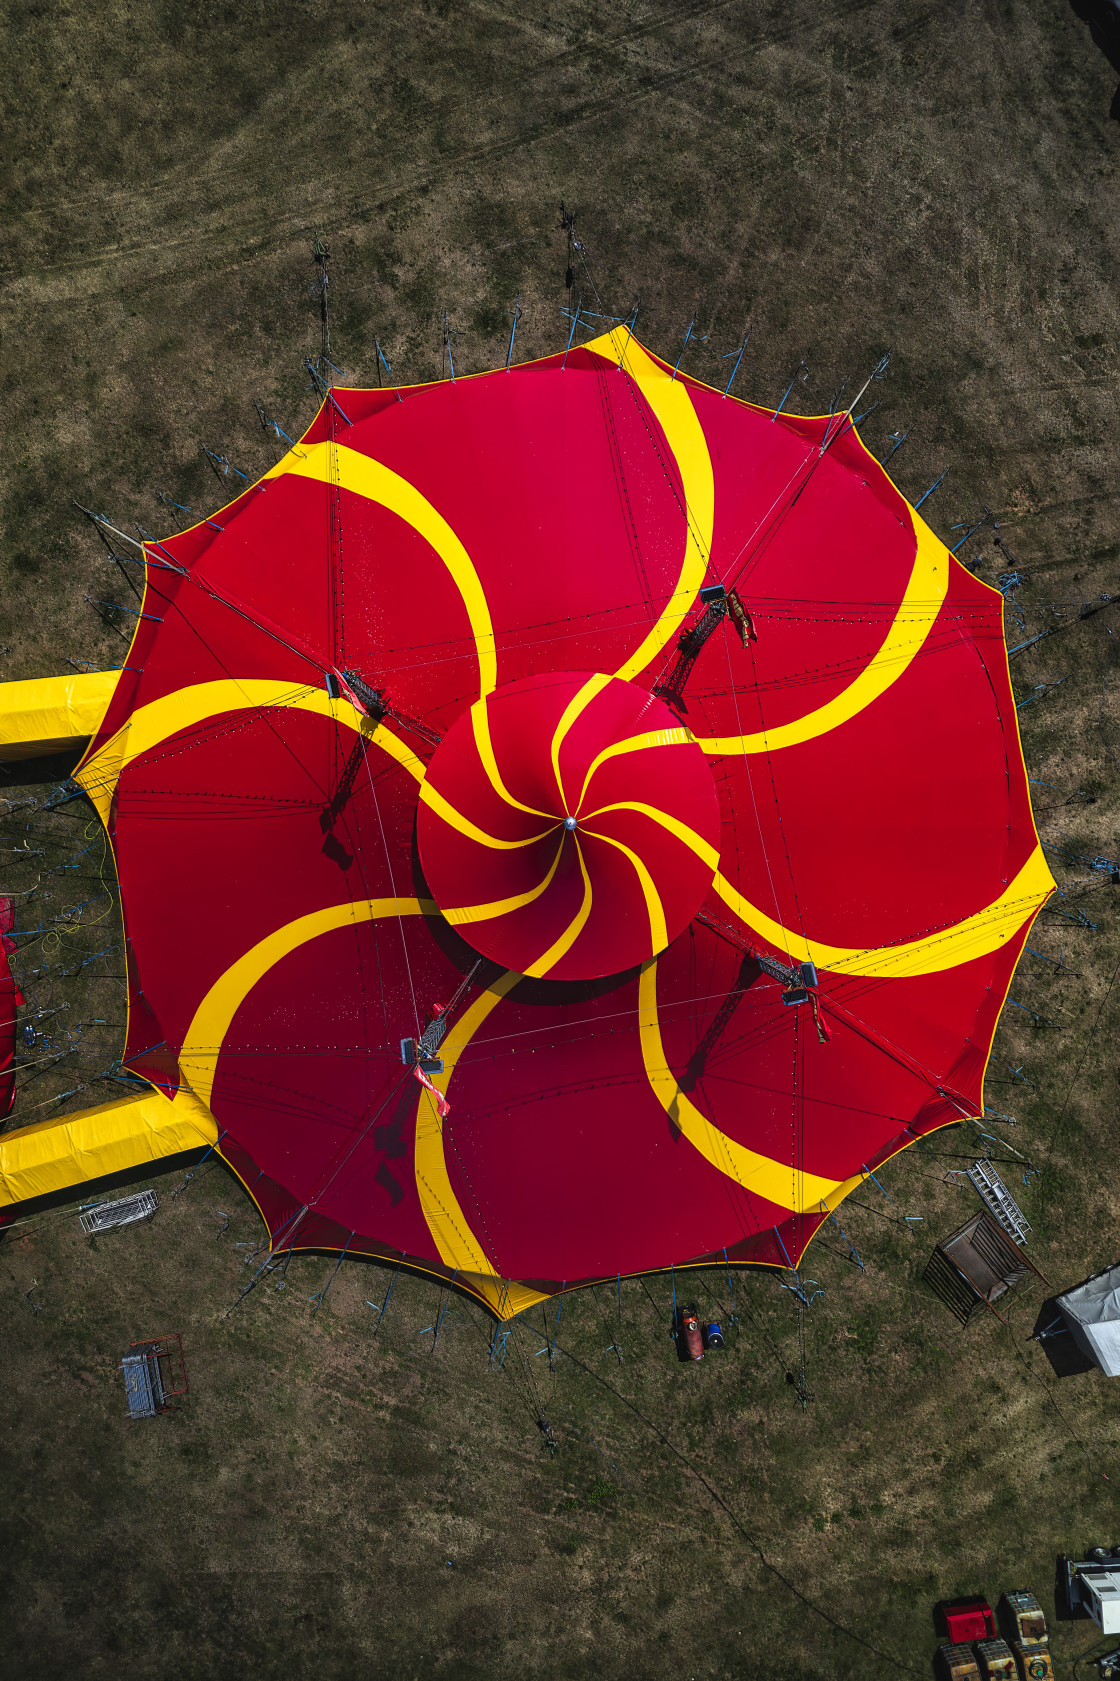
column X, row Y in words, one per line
column 569, row 823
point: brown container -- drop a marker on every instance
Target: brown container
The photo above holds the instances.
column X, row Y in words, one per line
column 956, row 1663
column 997, row 1661
column 1034, row 1660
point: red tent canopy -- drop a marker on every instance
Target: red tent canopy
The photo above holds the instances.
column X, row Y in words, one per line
column 705, row 904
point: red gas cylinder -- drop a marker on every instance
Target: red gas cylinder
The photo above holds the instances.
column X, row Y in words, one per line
column 690, row 1329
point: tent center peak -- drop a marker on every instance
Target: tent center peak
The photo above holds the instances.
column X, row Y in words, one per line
column 568, row 825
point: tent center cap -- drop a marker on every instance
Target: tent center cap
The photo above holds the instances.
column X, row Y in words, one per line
column 568, row 825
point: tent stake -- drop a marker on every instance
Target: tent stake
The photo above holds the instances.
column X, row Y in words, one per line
column 738, row 355
column 798, row 375
column 516, row 314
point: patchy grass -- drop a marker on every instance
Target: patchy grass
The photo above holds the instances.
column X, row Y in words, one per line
column 845, row 178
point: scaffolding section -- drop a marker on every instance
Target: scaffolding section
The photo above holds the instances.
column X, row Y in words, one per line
column 999, row 1202
column 108, row 1215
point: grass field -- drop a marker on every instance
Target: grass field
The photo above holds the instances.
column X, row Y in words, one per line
column 846, row 178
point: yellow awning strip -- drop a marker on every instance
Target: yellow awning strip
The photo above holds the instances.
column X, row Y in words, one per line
column 117, row 1137
column 48, row 714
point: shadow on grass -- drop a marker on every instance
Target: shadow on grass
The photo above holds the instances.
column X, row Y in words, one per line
column 1103, row 18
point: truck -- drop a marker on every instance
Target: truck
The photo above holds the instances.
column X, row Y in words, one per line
column 1091, row 1586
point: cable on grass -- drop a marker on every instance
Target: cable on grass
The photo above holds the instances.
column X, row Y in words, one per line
column 1104, row 691
column 752, row 1542
column 1040, row 1379
column 1056, row 1129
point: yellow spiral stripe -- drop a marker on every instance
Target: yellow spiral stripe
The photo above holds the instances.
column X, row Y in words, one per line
column 945, row 948
column 334, row 464
column 680, row 831
column 636, row 744
column 435, row 801
column 154, row 723
column 572, row 932
column 904, row 641
column 451, row 1232
column 480, row 724
column 777, row 1181
column 578, row 704
column 674, row 411
column 655, row 910
column 502, row 907
column 202, row 1046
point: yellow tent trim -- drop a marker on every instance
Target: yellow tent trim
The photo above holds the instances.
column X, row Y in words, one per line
column 48, row 714
column 506, row 1298
column 671, row 403
column 117, row 1137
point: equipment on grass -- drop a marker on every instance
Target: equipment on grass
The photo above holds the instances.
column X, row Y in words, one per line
column 968, row 1619
column 1021, row 1618
column 106, row 1216
column 690, row 1341
column 407, row 720
column 993, row 1193
column 1022, row 1655
column 957, row 1663
column 978, row 1263
column 1091, row 1587
column 712, row 1334
column 154, row 1375
column 997, row 1661
column 1034, row 1659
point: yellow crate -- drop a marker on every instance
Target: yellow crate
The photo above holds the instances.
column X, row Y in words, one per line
column 957, row 1663
column 997, row 1661
column 1034, row 1660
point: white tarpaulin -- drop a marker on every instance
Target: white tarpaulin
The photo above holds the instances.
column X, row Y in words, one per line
column 1092, row 1312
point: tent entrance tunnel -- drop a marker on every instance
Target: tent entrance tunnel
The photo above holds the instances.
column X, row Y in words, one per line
column 634, row 755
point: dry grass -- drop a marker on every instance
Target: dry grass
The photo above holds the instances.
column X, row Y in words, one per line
column 848, row 177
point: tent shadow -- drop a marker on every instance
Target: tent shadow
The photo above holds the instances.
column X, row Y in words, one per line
column 1103, row 20
column 49, row 767
column 1063, row 1354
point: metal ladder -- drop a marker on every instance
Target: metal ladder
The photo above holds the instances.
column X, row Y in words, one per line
column 995, row 1196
